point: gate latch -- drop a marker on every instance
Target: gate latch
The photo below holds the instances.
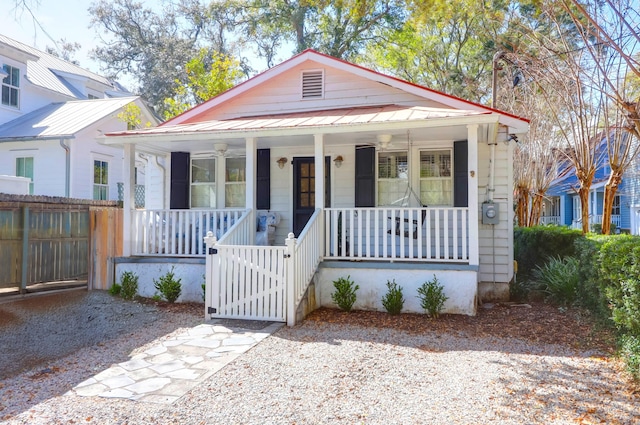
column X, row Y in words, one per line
column 211, row 310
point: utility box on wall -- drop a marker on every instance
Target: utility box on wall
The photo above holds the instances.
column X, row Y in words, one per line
column 490, row 213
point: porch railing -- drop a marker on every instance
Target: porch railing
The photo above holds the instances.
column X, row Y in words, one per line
column 306, row 257
column 407, row 234
column 178, row 233
column 596, row 219
column 550, row 220
column 238, row 234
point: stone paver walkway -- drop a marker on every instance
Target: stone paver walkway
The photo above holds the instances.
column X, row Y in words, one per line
column 169, row 370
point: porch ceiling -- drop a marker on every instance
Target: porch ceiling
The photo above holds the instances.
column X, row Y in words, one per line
column 346, row 126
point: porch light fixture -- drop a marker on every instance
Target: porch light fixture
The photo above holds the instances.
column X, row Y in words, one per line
column 281, row 162
column 338, row 161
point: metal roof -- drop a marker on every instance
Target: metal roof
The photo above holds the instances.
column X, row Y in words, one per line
column 320, row 118
column 47, row 71
column 60, row 120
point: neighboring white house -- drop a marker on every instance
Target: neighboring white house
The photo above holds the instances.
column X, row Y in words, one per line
column 414, row 183
column 51, row 112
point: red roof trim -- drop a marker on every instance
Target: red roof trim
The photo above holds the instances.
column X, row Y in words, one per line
column 202, row 105
column 417, row 85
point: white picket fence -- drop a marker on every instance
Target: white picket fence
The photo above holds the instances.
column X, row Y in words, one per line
column 261, row 282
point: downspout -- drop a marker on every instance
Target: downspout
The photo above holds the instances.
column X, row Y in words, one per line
column 67, row 174
column 492, row 138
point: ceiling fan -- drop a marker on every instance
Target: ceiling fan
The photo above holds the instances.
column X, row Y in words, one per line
column 385, row 142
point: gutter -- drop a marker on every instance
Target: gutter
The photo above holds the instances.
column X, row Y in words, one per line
column 67, row 174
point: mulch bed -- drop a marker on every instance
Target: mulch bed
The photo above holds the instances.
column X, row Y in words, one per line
column 536, row 322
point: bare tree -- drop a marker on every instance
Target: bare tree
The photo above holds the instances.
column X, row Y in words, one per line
column 563, row 76
column 609, row 31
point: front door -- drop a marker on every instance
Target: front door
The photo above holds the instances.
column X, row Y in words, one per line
column 304, row 190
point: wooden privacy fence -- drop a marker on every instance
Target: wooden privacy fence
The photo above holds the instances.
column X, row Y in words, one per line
column 49, row 239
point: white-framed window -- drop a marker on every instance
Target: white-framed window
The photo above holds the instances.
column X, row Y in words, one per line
column 393, row 178
column 577, row 209
column 203, row 183
column 11, row 86
column 436, row 178
column 615, row 209
column 100, row 180
column 24, row 168
column 235, row 185
column 551, row 207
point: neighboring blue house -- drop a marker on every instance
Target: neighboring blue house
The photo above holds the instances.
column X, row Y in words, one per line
column 562, row 206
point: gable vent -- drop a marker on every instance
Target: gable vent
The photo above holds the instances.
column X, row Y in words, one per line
column 312, row 84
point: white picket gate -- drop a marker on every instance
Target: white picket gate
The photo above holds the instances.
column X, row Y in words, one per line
column 261, row 282
column 247, row 282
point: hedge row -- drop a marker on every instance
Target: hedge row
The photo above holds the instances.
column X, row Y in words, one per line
column 609, row 276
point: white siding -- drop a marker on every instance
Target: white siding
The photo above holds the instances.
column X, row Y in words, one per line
column 495, row 241
column 48, row 164
column 283, row 94
column 85, row 149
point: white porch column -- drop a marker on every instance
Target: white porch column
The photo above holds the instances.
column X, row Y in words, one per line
column 318, row 140
column 250, row 180
column 472, row 164
column 319, row 164
column 128, row 202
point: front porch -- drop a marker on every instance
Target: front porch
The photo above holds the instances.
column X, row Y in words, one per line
column 435, row 234
column 246, row 281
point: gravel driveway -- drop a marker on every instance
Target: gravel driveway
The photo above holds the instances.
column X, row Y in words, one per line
column 325, row 373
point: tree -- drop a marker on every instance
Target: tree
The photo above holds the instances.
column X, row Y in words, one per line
column 155, row 47
column 609, row 30
column 131, row 114
column 338, row 28
column 64, row 50
column 206, row 75
column 555, row 59
column 447, row 47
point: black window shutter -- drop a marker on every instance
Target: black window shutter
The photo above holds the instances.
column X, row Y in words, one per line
column 263, row 180
column 365, row 176
column 179, row 180
column 460, row 170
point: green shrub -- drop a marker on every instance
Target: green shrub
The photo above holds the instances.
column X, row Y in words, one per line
column 115, row 289
column 559, row 279
column 168, row 286
column 626, row 308
column 345, row 294
column 620, row 259
column 533, row 246
column 129, row 283
column 393, row 301
column 590, row 284
column 630, row 352
column 432, row 297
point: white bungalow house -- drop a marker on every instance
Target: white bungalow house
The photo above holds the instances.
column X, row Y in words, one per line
column 414, row 184
column 51, row 114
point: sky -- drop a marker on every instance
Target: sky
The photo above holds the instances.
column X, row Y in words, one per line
column 70, row 21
